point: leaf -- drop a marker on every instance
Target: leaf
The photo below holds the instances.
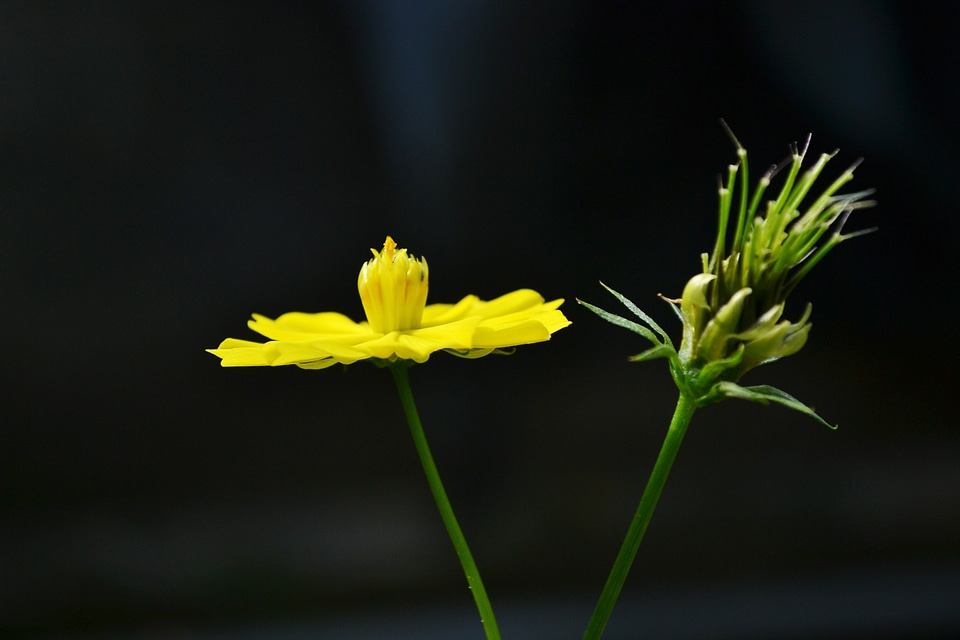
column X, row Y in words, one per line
column 659, row 351
column 612, row 318
column 765, row 394
column 640, row 314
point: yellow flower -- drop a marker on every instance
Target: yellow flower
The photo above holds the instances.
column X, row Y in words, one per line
column 399, row 325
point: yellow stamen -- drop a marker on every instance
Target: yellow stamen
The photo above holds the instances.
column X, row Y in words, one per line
column 388, row 248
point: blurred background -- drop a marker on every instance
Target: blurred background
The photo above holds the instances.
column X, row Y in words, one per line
column 166, row 169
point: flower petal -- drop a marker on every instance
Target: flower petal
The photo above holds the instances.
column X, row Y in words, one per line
column 519, row 333
column 436, row 314
column 418, row 344
column 240, row 353
column 308, row 326
column 513, row 302
column 525, row 327
column 279, row 353
column 552, row 318
column 244, row 353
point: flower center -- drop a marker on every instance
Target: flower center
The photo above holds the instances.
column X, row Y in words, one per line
column 393, row 289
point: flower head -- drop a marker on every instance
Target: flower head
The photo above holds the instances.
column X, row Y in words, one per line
column 732, row 312
column 399, row 324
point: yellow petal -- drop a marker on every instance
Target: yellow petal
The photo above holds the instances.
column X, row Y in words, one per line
column 508, row 336
column 283, row 353
column 418, row 344
column 452, row 335
column 513, row 302
column 397, row 345
column 240, row 353
column 554, row 320
column 244, row 353
column 306, row 326
column 436, row 314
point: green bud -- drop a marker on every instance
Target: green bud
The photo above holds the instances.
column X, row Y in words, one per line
column 732, row 311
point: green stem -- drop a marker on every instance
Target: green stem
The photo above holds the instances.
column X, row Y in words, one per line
column 399, row 370
column 631, row 543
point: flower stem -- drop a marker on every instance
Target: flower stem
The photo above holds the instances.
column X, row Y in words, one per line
column 399, row 370
column 631, row 543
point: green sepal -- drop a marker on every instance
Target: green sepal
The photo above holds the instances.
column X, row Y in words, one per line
column 473, row 354
column 713, row 370
column 382, row 363
column 613, row 318
column 765, row 394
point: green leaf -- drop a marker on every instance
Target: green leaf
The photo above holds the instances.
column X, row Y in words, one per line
column 659, row 351
column 765, row 394
column 612, row 318
column 640, row 314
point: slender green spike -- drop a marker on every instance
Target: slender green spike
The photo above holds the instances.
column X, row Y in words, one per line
column 640, row 314
column 620, row 321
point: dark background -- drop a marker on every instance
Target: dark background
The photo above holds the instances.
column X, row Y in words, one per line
column 168, row 168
